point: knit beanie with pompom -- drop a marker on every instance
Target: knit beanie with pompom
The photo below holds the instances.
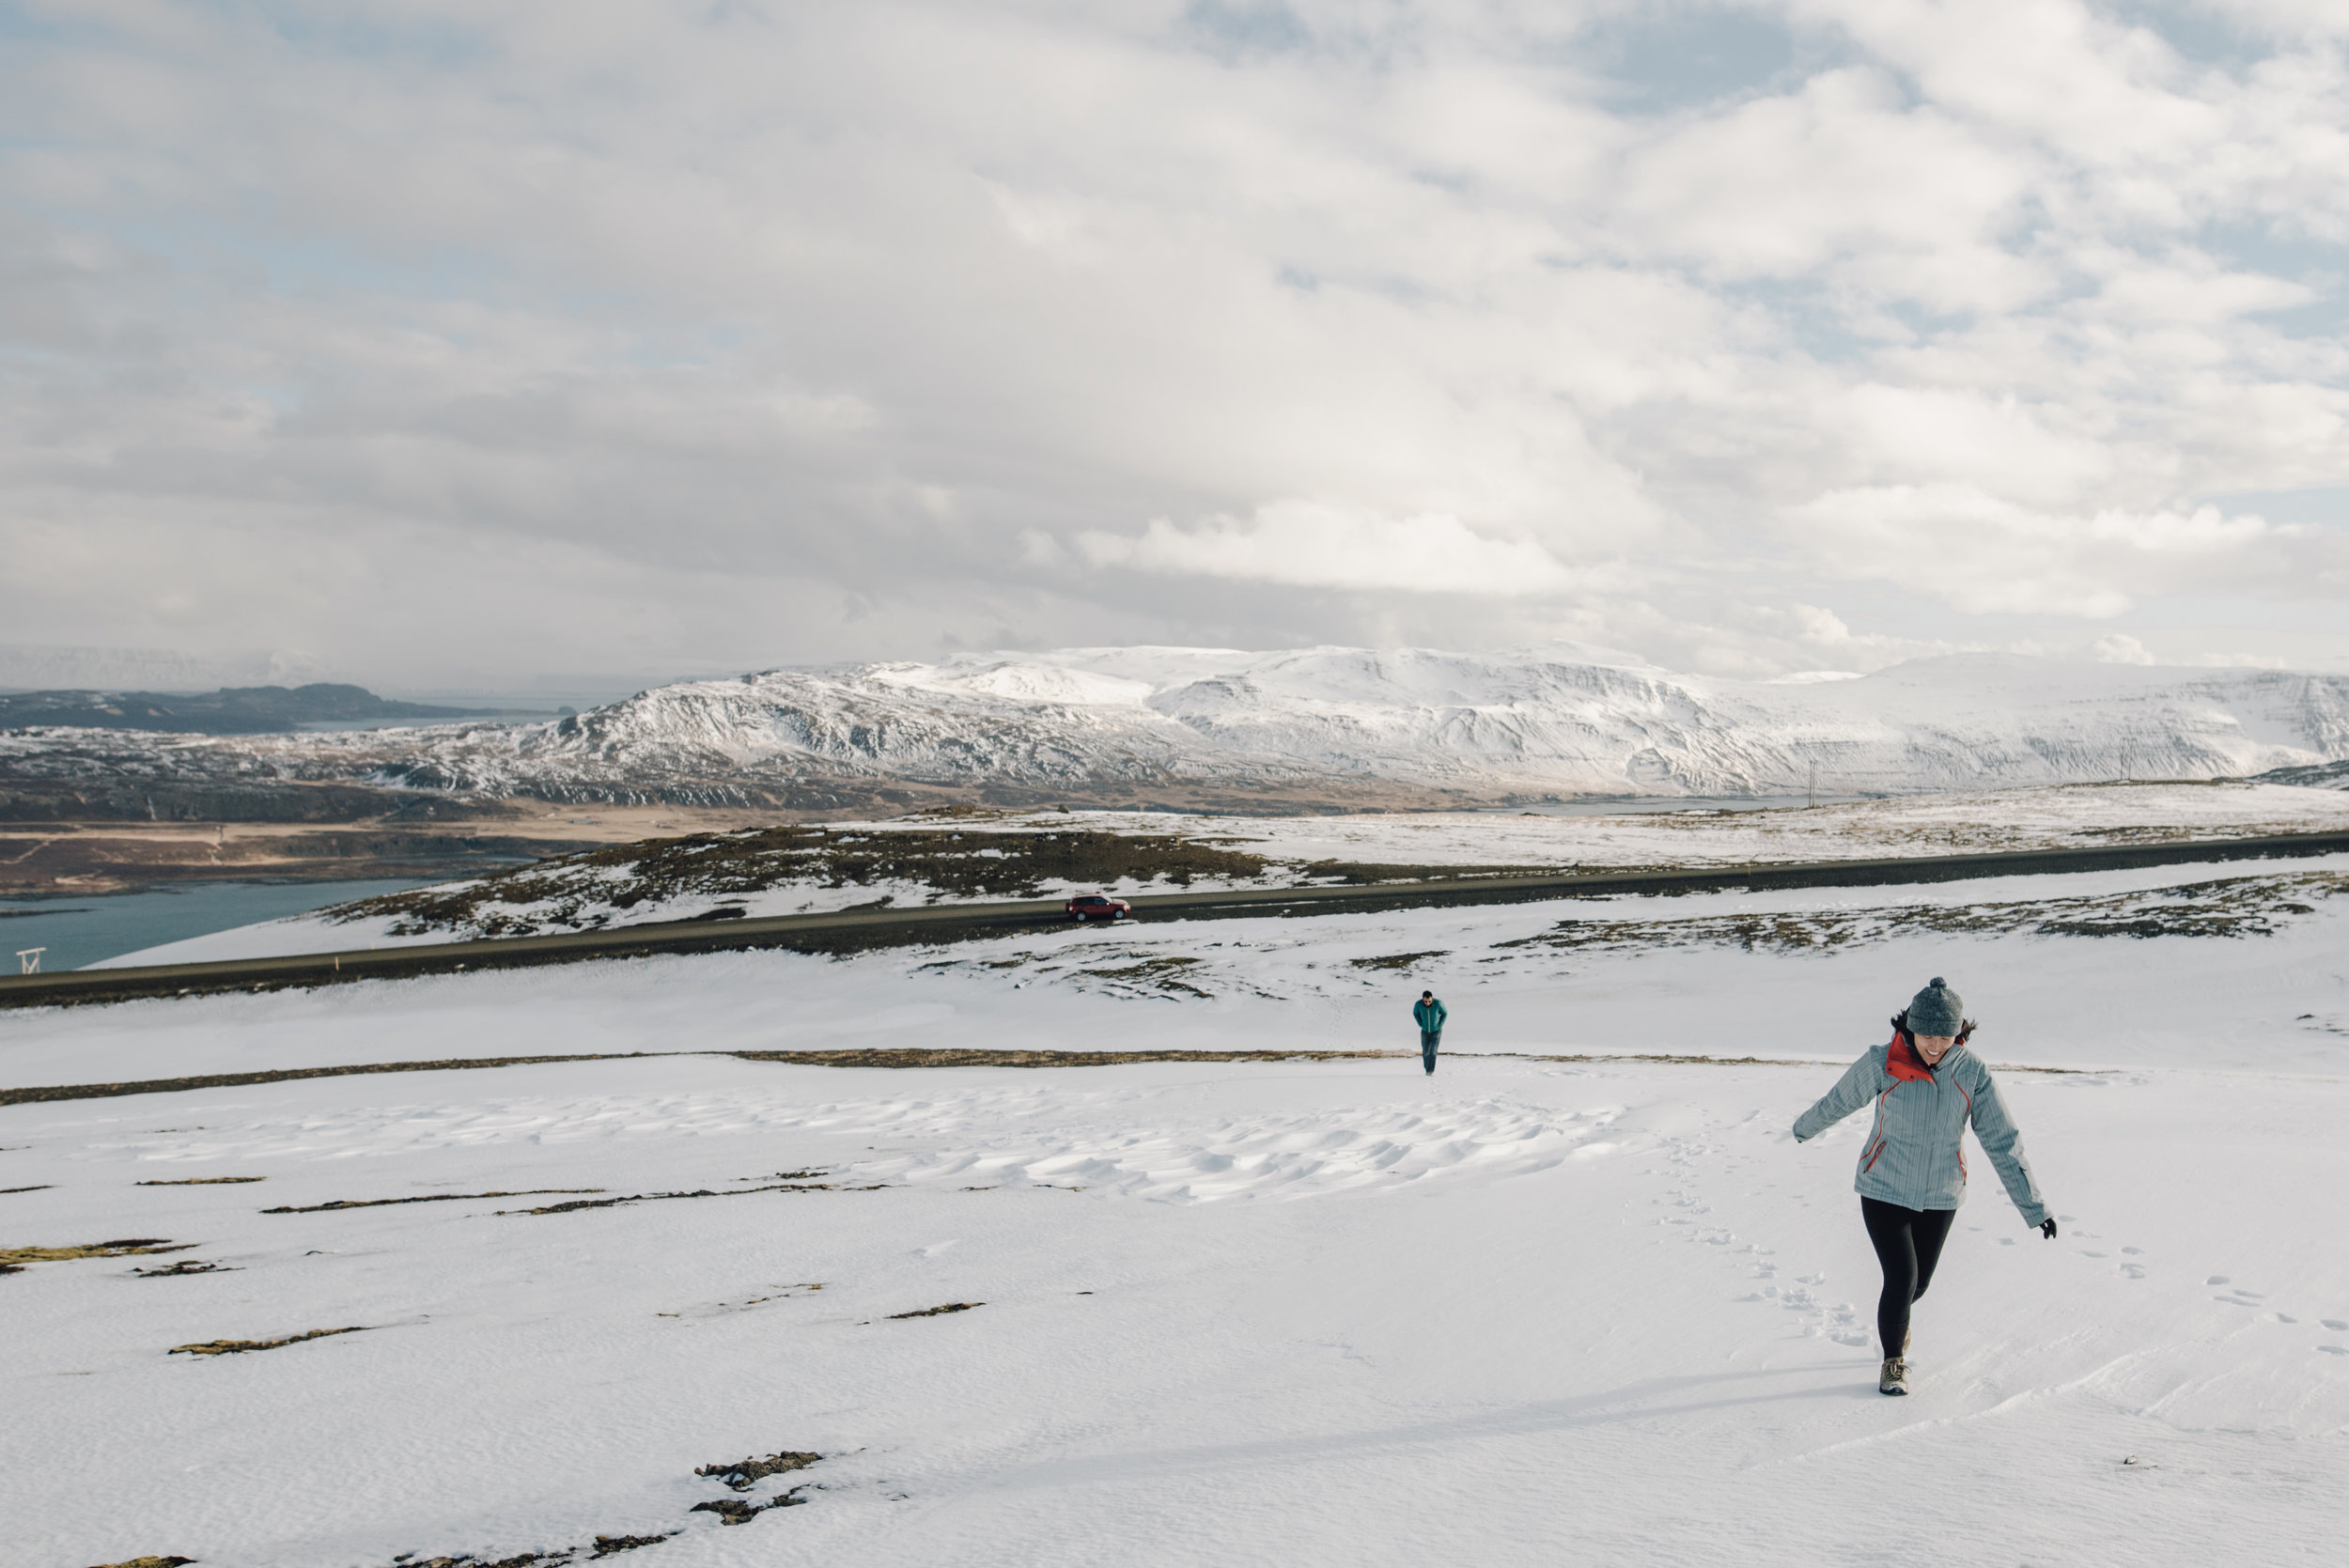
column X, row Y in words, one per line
column 1936, row 1010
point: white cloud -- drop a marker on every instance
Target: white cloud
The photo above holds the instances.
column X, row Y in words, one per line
column 1313, row 544
column 636, row 312
column 1978, row 553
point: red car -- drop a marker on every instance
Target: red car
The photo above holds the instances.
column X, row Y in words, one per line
column 1094, row 906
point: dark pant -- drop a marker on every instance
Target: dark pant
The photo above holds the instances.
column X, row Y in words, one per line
column 1908, row 1244
column 1428, row 1040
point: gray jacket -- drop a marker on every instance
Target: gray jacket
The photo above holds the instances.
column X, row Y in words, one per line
column 1913, row 1154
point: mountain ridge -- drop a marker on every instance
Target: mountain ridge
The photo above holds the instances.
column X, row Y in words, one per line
column 1335, row 723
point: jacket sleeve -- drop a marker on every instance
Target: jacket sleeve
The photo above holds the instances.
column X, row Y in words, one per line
column 2002, row 1140
column 1860, row 1084
column 1439, row 1016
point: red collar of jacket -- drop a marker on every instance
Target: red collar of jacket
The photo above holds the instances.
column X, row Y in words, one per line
column 1902, row 1061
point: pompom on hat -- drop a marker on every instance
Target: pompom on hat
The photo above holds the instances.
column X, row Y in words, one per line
column 1936, row 1010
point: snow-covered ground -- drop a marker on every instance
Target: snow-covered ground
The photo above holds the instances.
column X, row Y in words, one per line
column 1300, row 850
column 1300, row 1313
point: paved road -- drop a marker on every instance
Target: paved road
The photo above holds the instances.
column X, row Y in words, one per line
column 857, row 930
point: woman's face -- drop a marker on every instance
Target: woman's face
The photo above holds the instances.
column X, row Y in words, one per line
column 1933, row 1047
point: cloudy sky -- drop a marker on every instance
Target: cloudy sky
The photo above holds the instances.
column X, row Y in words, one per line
column 438, row 344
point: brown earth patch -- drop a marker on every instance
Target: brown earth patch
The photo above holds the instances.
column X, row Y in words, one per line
column 204, row 1181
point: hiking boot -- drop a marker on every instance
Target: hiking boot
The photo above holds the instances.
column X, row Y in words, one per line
column 1895, row 1378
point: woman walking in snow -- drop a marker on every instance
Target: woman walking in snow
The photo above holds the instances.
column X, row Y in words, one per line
column 1927, row 1086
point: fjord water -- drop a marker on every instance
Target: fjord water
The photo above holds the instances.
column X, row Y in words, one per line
column 82, row 928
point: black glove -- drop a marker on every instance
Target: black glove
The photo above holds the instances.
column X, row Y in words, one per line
column 2046, row 1227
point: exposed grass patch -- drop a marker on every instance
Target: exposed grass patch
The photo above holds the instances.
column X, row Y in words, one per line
column 1396, row 960
column 43, row 1093
column 206, row 1181
column 2235, row 906
column 150, row 1563
column 974, row 1057
column 740, row 1474
column 1162, row 973
column 185, row 1266
column 734, row 1510
column 703, row 1192
column 238, row 1347
column 42, row 1186
column 587, row 890
column 861, row 1057
column 14, row 1258
column 936, row 1311
column 425, row 1198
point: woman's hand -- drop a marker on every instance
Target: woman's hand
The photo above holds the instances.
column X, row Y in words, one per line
column 2046, row 1227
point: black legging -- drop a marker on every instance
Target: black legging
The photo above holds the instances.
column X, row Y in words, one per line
column 1908, row 1244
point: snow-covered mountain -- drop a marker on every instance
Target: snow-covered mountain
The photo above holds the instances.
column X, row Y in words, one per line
column 1556, row 720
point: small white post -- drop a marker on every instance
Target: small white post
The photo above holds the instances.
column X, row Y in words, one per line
column 28, row 959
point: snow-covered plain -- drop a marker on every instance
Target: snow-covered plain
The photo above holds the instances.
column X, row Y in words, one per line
column 597, row 895
column 1298, row 1313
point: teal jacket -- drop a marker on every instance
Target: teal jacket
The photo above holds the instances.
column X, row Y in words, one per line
column 1430, row 1015
column 1913, row 1156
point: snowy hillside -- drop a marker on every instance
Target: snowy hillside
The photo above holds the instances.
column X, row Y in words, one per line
column 1561, row 720
column 1312, row 1314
